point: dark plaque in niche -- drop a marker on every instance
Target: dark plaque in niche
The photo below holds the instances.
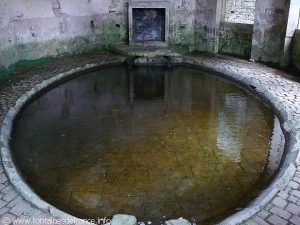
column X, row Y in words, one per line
column 148, row 25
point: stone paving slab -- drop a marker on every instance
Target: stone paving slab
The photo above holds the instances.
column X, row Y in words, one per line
column 280, row 204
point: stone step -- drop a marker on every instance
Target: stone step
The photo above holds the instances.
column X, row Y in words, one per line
column 146, row 51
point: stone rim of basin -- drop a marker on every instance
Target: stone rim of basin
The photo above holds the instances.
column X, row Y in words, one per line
column 289, row 126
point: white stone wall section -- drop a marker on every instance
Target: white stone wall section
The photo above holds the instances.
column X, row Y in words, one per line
column 239, row 11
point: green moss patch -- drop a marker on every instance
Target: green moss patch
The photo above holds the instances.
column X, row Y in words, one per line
column 22, row 66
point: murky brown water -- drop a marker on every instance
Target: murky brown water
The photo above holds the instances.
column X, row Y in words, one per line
column 150, row 142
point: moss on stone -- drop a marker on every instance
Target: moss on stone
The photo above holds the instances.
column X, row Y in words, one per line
column 205, row 39
column 22, row 65
column 182, row 40
column 50, row 48
column 183, row 48
column 110, row 35
column 235, row 39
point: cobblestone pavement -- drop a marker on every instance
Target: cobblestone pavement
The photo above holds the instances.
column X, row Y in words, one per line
column 284, row 205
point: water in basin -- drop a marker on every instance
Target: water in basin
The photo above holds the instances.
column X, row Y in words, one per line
column 150, row 142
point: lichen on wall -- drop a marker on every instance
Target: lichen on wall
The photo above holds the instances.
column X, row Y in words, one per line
column 207, row 25
column 182, row 21
column 181, row 39
column 206, row 39
column 235, row 39
column 110, row 34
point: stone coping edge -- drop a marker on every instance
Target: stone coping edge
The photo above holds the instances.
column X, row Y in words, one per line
column 284, row 175
column 292, row 136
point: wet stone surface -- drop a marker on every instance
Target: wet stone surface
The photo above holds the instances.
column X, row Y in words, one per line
column 274, row 83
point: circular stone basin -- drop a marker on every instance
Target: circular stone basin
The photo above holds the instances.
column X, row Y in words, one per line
column 150, row 142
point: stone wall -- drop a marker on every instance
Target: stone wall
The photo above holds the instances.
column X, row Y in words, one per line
column 292, row 24
column 207, row 21
column 239, row 11
column 269, row 30
column 31, row 29
column 235, row 39
column 295, row 52
column 182, row 19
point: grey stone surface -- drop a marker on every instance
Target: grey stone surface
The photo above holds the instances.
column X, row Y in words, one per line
column 296, row 193
column 259, row 220
column 123, row 220
column 241, row 11
column 283, row 195
column 180, row 221
column 295, row 219
column 294, row 185
column 2, row 203
column 7, row 219
column 269, row 34
column 19, row 208
column 263, row 214
column 292, row 198
column 250, row 222
column 279, row 202
column 294, row 209
column 280, row 212
column 276, row 220
column 3, row 210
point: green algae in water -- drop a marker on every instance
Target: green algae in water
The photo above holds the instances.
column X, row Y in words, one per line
column 149, row 142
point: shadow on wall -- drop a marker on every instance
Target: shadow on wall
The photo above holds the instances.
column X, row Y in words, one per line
column 296, row 50
column 235, row 39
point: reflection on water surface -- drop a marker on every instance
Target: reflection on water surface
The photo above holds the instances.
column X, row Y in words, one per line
column 150, row 142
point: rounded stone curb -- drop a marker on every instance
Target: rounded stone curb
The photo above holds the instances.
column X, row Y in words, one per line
column 290, row 124
column 262, row 200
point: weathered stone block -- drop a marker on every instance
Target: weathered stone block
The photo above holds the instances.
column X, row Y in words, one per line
column 179, row 221
column 120, row 219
